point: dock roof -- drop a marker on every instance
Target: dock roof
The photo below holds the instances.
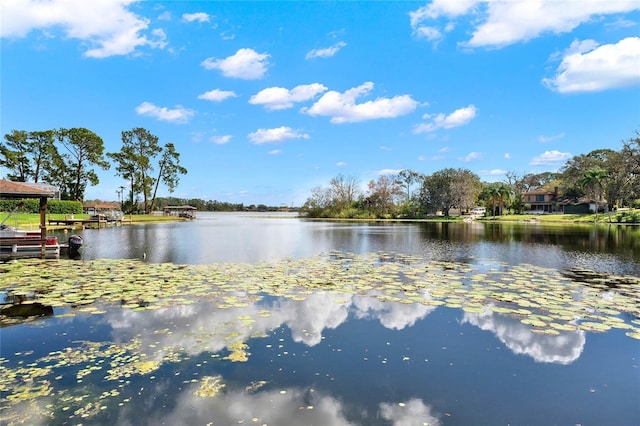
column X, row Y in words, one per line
column 9, row 189
column 179, row 208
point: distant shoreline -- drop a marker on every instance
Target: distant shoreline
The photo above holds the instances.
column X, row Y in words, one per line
column 32, row 220
column 550, row 219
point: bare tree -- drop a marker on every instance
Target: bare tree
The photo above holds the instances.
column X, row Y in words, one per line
column 344, row 190
column 383, row 194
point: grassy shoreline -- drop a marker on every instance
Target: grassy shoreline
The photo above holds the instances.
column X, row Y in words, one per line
column 32, row 220
column 547, row 219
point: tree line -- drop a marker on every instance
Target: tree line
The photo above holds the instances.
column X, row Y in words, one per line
column 610, row 178
column 214, row 205
column 68, row 159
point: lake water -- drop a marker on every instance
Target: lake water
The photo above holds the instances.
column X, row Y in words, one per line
column 273, row 320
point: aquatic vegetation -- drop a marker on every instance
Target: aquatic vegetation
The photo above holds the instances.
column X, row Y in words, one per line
column 210, row 386
column 538, row 295
column 547, row 301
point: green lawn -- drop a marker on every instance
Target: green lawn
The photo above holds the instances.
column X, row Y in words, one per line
column 557, row 218
column 32, row 220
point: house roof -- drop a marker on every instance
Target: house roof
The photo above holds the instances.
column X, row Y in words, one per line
column 113, row 205
column 538, row 192
column 179, row 208
column 9, row 189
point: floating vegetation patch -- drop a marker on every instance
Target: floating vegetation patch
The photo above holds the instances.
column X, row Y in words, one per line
column 210, row 386
column 238, row 352
column 547, row 301
column 540, row 296
column 39, row 380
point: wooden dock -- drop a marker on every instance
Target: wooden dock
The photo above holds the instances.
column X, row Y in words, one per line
column 85, row 223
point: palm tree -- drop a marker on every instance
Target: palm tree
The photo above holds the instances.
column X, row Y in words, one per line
column 593, row 182
column 506, row 195
column 491, row 195
column 498, row 195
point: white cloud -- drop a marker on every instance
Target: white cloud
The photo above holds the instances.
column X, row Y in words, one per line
column 342, row 107
column 342, row 164
column 501, row 23
column 281, row 407
column 413, row 412
column 516, row 21
column 221, row 140
column 438, row 8
column 199, row 17
column 276, row 135
column 545, row 139
column 435, row 10
column 217, row 95
column 430, row 33
column 246, row 64
column 179, row 114
column 276, row 98
column 621, row 23
column 274, row 152
column 435, row 157
column 494, row 172
column 457, row 118
column 507, row 155
column 107, row 27
column 550, row 158
column 197, row 136
column 226, row 35
column 562, row 349
column 326, row 52
column 164, row 16
column 431, row 158
column 587, row 67
column 396, row 316
column 470, row 157
column 387, row 172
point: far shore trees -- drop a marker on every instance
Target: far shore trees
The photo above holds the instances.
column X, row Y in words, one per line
column 84, row 149
column 593, row 181
column 449, row 188
column 383, row 196
column 604, row 175
column 344, row 191
column 28, row 155
column 66, row 159
column 170, row 168
column 498, row 195
column 134, row 163
column 14, row 156
column 34, row 157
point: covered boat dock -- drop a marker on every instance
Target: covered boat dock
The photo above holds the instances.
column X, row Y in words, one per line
column 188, row 212
column 20, row 190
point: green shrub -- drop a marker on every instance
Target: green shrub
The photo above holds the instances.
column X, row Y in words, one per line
column 32, row 205
column 628, row 217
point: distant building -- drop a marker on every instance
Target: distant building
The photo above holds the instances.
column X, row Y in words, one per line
column 188, row 212
column 543, row 201
column 100, row 207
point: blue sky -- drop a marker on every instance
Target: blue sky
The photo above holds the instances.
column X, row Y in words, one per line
column 266, row 100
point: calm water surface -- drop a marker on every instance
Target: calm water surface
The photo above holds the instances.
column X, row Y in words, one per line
column 327, row 358
column 232, row 237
